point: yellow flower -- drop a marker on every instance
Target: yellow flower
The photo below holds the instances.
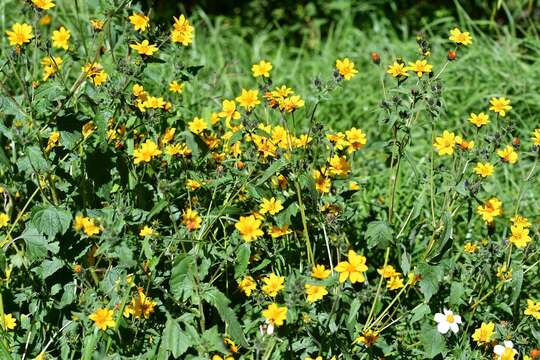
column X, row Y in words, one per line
column 322, row 182
column 470, row 247
column 483, row 334
column 479, row 120
column 20, row 34
column 397, row 69
column 146, row 231
column 484, row 169
column 275, row 315
column 395, row 282
column 146, row 152
column 463, row 38
column 60, row 38
column 277, row 231
column 51, row 64
column 368, row 338
column 229, row 110
column 53, row 140
column 261, row 69
column 536, row 137
column 43, row 4
column 273, row 284
column 4, row 219
column 490, row 209
column 387, row 272
column 248, row 226
column 41, row 356
column 168, row 135
column 353, row 185
column 420, row 67
column 500, row 106
column 97, row 24
column 144, row 48
column 90, row 228
column 533, row 309
column 464, row 144
column 45, row 20
column 356, row 138
column 346, row 68
column 247, row 285
column 445, row 143
column 176, row 87
column 271, row 206
column 520, row 221
column 508, row 154
column 503, row 273
column 352, row 269
column 95, row 72
column 339, row 166
column 520, row 236
column 139, row 21
column 310, row 358
column 102, row 318
column 191, row 219
column 248, row 99
column 9, row 322
column 141, row 305
column 198, row 125
column 315, row 292
column 154, row 102
column 193, row 184
column 182, row 31
column 320, row 272
column 88, row 129
column 291, row 103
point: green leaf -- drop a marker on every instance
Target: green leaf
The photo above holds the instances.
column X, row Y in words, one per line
column 419, row 313
column 432, row 341
column 181, row 281
column 174, row 339
column 36, row 159
column 48, row 267
column 353, row 312
column 37, row 245
column 242, row 260
column 405, row 262
column 516, row 283
column 217, row 299
column 456, row 294
column 379, row 234
column 51, row 220
column 212, row 341
column 271, row 170
column 431, row 276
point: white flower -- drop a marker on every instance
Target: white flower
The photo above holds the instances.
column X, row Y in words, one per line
column 447, row 321
column 506, row 352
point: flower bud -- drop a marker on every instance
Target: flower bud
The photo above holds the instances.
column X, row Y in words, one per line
column 376, row 58
column 452, row 55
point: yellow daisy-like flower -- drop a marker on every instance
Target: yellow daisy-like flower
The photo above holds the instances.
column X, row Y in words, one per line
column 144, row 48
column 322, row 182
column 273, row 284
column 182, row 31
column 397, row 69
column 261, row 69
column 395, row 283
column 470, row 247
column 320, row 272
column 490, row 209
column 9, row 322
column 338, row 165
column 103, row 318
column 4, row 220
column 445, row 143
column 356, row 139
column 353, row 269
column 508, row 154
column 533, row 309
column 459, row 37
column 51, row 65
column 249, row 228
column 248, row 99
column 146, row 152
column 536, row 137
column 479, row 120
column 60, row 38
column 420, row 67
column 146, row 231
column 522, row 221
column 346, row 68
column 387, row 272
column 520, row 236
column 176, row 87
column 484, row 169
column 43, row 4
column 484, row 333
column 500, row 105
column 20, row 34
column 247, row 285
column 139, row 21
column 271, row 206
column 315, row 292
column 191, row 219
column 229, row 111
column 198, row 125
column 275, row 315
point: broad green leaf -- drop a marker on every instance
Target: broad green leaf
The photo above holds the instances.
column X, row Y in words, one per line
column 432, row 342
column 242, row 260
column 217, row 299
column 174, row 340
column 51, row 220
column 378, row 234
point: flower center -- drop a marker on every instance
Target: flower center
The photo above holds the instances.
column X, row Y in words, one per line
column 450, row 318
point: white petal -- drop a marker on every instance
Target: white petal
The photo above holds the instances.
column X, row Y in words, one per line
column 447, row 312
column 457, row 319
column 509, row 344
column 440, row 317
column 270, row 329
column 443, row 327
column 498, row 349
column 454, row 327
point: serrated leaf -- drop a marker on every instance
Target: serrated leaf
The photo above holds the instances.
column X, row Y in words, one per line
column 432, row 342
column 217, row 299
column 174, row 339
column 51, row 220
column 379, row 234
column 242, row 260
column 36, row 159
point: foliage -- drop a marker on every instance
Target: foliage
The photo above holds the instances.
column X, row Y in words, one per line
column 173, row 192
